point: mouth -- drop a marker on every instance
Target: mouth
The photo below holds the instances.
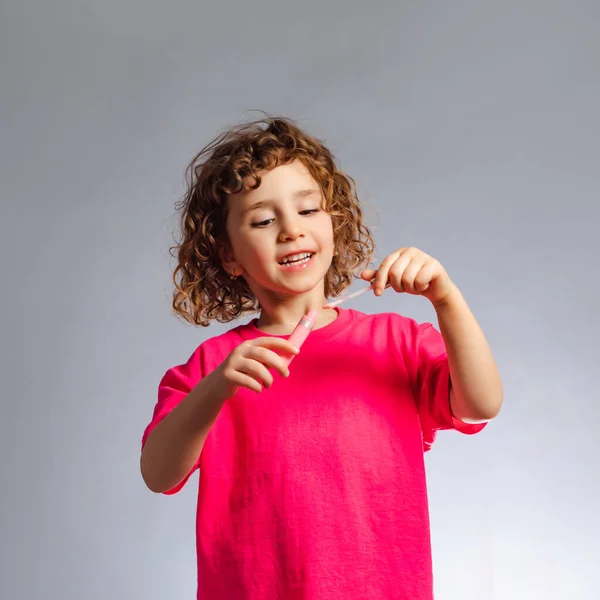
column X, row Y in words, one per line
column 295, row 260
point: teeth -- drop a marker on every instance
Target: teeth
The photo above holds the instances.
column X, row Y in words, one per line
column 296, row 258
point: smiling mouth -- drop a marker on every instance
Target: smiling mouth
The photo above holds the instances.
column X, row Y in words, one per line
column 296, row 259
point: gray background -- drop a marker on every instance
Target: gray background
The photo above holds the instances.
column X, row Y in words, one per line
column 472, row 127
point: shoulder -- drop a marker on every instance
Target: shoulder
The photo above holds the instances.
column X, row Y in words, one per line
column 224, row 342
column 391, row 322
column 209, row 354
column 396, row 331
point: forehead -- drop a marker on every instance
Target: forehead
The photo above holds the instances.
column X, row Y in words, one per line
column 281, row 183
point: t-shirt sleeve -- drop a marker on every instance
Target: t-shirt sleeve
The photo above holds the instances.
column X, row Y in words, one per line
column 432, row 386
column 174, row 386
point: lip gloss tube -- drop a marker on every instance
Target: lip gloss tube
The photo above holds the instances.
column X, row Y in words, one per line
column 301, row 331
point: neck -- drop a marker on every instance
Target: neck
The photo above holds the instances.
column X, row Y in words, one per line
column 279, row 316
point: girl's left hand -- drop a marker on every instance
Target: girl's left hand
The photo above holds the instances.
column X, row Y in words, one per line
column 412, row 271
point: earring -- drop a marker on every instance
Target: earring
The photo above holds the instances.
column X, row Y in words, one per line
column 233, row 276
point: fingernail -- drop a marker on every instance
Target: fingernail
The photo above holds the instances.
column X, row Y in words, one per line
column 287, row 374
column 378, row 292
column 295, row 350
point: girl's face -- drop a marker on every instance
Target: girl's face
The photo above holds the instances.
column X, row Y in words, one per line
column 281, row 238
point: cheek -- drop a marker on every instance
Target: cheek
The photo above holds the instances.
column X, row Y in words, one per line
column 252, row 251
column 326, row 232
column 259, row 251
column 241, row 248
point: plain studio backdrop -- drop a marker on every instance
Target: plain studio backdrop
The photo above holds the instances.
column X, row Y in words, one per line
column 471, row 127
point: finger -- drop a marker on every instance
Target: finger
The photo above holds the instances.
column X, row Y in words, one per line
column 274, row 343
column 256, row 370
column 397, row 271
column 243, row 380
column 408, row 277
column 269, row 359
column 424, row 277
column 368, row 274
column 381, row 277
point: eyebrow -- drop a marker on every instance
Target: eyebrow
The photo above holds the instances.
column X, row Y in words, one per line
column 263, row 203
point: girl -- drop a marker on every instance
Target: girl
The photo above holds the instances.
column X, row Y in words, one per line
column 312, row 479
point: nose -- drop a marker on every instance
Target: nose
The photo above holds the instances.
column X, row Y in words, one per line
column 291, row 229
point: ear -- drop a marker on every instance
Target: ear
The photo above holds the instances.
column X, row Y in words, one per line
column 228, row 260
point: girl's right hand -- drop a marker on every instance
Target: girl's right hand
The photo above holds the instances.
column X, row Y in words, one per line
column 248, row 365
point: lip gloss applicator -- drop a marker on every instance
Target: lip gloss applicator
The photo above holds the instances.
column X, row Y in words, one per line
column 350, row 296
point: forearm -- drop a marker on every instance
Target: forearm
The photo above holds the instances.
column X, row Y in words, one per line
column 174, row 445
column 476, row 385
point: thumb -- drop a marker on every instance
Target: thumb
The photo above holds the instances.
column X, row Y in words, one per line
column 368, row 274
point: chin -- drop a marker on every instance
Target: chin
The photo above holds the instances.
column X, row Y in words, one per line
column 298, row 287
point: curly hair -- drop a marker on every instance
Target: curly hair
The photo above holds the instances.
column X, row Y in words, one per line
column 230, row 164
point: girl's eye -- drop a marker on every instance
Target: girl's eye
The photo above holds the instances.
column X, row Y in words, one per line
column 267, row 222
column 263, row 223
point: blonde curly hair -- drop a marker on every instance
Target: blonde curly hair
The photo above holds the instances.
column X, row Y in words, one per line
column 230, row 164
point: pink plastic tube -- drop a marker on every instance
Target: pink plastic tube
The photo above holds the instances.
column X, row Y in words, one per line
column 304, row 327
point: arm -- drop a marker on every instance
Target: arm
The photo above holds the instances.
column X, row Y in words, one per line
column 174, row 445
column 476, row 393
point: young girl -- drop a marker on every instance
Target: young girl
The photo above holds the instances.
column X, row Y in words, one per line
column 312, row 480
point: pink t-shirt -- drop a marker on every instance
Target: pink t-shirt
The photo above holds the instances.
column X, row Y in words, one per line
column 315, row 488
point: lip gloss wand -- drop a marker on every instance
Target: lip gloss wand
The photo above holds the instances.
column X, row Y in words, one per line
column 350, row 296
